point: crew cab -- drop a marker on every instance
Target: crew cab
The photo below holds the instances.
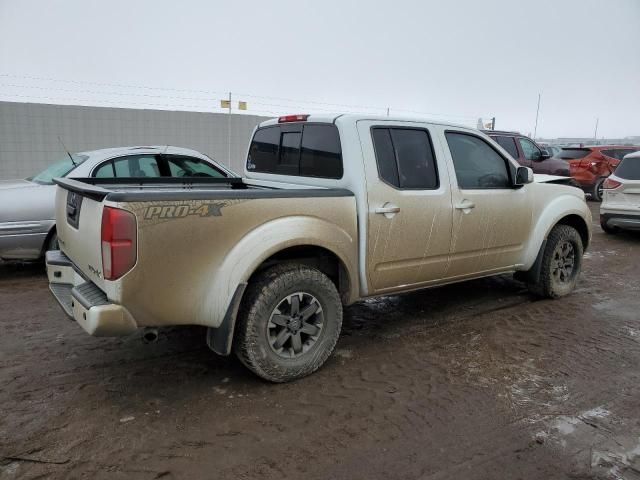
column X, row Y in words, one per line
column 331, row 209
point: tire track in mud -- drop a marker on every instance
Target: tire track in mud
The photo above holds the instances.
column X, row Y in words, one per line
column 445, row 383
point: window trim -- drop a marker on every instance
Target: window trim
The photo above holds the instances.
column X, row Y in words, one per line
column 433, row 154
column 293, row 128
column 510, row 167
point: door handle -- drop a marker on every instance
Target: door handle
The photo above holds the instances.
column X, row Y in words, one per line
column 465, row 206
column 388, row 210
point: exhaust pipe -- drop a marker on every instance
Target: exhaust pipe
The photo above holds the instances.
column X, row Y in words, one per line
column 150, row 335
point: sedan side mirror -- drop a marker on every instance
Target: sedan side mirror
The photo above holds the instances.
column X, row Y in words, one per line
column 524, row 175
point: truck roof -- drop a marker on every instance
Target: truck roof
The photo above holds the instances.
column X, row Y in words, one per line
column 352, row 117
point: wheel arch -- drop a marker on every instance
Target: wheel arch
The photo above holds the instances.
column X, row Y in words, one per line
column 309, row 240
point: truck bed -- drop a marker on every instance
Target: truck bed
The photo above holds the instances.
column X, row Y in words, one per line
column 194, row 237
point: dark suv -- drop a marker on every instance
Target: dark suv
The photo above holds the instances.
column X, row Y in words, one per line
column 527, row 153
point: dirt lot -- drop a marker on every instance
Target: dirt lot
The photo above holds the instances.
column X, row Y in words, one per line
column 477, row 380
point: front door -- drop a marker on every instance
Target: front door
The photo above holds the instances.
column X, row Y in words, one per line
column 409, row 205
column 492, row 218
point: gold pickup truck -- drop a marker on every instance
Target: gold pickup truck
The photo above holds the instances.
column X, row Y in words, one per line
column 330, row 210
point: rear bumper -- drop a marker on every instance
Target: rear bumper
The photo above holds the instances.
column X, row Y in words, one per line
column 84, row 302
column 621, row 220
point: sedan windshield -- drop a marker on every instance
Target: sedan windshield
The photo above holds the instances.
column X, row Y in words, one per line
column 58, row 169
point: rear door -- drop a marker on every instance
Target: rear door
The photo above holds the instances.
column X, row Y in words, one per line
column 409, row 204
column 491, row 219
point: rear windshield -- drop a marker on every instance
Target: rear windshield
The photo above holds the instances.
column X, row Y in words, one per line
column 61, row 168
column 629, row 169
column 306, row 150
column 574, row 153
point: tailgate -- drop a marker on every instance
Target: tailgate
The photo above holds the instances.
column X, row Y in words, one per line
column 78, row 223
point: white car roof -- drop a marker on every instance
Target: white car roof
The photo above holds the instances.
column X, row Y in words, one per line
column 632, row 155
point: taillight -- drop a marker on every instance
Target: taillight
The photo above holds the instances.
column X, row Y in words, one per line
column 293, row 118
column 610, row 184
column 119, row 245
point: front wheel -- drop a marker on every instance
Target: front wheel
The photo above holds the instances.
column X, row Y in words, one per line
column 561, row 263
column 289, row 322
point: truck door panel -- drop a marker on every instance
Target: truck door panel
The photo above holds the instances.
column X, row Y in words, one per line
column 409, row 205
column 491, row 218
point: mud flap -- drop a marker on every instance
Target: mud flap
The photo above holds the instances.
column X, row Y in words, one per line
column 533, row 274
column 220, row 339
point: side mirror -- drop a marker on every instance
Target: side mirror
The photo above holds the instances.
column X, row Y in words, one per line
column 524, row 175
column 544, row 154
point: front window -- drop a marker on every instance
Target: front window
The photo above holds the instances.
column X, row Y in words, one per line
column 58, row 169
column 477, row 165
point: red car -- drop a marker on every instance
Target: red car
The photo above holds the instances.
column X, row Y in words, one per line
column 591, row 165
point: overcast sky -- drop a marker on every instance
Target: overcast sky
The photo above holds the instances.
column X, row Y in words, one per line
column 453, row 60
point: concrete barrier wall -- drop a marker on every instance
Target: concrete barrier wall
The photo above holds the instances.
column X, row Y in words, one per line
column 29, row 133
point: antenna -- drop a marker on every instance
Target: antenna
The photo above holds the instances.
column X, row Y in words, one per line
column 65, row 149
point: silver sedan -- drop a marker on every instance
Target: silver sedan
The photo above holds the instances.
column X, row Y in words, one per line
column 27, row 224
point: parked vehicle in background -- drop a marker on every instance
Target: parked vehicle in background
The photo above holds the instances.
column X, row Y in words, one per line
column 589, row 166
column 552, row 150
column 27, row 225
column 332, row 209
column 528, row 153
column 620, row 208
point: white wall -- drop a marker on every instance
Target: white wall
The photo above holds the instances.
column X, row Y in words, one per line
column 29, row 133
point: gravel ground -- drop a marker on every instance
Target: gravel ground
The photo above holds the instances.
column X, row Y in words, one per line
column 476, row 380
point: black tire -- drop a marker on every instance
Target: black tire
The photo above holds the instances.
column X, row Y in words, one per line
column 596, row 190
column 256, row 343
column 555, row 281
column 607, row 229
column 52, row 243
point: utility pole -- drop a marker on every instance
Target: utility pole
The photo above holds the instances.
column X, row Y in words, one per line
column 229, row 133
column 535, row 130
column 387, row 111
column 595, row 133
column 493, row 123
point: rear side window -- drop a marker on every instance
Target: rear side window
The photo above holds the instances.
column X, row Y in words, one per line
column 130, row 166
column 191, row 167
column 477, row 165
column 405, row 157
column 629, row 169
column 309, row 150
column 618, row 153
column 574, row 153
column 509, row 144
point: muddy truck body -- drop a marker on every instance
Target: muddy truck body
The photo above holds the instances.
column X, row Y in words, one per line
column 329, row 210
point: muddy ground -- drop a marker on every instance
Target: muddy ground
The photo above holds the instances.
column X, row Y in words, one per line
column 477, row 380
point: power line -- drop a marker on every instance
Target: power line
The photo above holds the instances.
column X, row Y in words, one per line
column 295, row 103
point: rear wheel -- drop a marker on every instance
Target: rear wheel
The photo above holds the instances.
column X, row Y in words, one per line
column 598, row 190
column 289, row 322
column 561, row 263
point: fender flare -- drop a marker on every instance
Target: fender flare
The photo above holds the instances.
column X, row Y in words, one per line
column 229, row 280
column 554, row 212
